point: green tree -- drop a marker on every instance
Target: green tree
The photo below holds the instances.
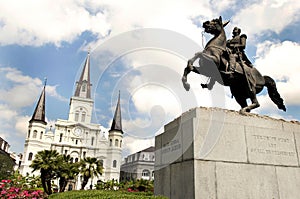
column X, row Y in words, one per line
column 89, row 168
column 47, row 162
column 6, row 165
column 67, row 171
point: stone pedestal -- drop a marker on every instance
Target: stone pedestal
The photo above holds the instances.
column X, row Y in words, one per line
column 210, row 153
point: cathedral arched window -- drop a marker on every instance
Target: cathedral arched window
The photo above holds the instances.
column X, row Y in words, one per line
column 30, row 156
column 60, row 137
column 28, row 133
column 71, row 160
column 41, row 136
column 76, row 159
column 110, row 142
column 76, row 116
column 92, row 142
column 114, row 163
column 116, row 142
column 83, row 117
column 83, row 87
column 120, row 143
column 34, row 134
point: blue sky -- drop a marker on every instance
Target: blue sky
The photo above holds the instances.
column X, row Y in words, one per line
column 140, row 48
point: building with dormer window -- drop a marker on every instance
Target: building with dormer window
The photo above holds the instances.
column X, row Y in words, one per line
column 139, row 165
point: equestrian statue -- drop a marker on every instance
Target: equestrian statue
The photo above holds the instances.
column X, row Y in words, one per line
column 224, row 61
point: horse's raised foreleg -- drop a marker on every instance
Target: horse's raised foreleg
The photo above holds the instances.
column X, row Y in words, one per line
column 187, row 70
column 192, row 60
column 186, row 85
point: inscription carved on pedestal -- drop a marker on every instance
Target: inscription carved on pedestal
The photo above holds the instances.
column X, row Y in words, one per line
column 171, row 151
column 271, row 144
column 271, row 147
column 171, row 146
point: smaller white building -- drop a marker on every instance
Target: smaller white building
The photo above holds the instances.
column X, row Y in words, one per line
column 139, row 165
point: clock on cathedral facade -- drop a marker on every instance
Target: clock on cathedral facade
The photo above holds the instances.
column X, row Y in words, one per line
column 77, row 131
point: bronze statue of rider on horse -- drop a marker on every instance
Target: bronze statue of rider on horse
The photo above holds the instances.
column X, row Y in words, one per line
column 225, row 61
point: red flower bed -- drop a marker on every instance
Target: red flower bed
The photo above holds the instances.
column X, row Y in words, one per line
column 9, row 191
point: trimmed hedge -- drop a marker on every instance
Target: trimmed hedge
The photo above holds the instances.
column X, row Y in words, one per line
column 103, row 194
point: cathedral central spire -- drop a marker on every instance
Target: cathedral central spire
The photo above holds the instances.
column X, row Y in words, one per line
column 81, row 104
column 83, row 87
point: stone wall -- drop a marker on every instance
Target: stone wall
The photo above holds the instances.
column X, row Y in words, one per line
column 215, row 153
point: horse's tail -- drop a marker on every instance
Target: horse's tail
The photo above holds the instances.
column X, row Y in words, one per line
column 273, row 93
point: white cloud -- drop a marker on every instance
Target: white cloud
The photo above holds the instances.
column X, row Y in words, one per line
column 222, row 5
column 22, row 90
column 267, row 15
column 11, row 122
column 21, row 125
column 51, row 91
column 170, row 15
column 19, row 95
column 126, row 15
column 40, row 22
column 6, row 113
column 280, row 61
column 16, row 76
column 132, row 124
column 133, row 144
column 7, row 118
column 150, row 96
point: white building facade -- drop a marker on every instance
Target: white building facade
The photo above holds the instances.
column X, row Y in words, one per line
column 77, row 136
column 139, row 165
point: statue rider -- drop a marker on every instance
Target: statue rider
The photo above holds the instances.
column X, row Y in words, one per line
column 237, row 45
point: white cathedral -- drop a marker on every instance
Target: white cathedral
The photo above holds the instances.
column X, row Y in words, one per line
column 77, row 136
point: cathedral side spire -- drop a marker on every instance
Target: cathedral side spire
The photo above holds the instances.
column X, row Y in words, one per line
column 39, row 112
column 83, row 87
column 117, row 121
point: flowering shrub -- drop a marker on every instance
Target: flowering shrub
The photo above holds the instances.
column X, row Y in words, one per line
column 139, row 185
column 132, row 190
column 10, row 190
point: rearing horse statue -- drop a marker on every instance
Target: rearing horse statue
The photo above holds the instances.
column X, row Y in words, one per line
column 244, row 82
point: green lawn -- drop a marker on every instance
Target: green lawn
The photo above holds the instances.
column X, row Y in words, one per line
column 101, row 194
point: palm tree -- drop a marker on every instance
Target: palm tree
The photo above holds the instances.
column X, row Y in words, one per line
column 67, row 171
column 90, row 167
column 47, row 162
